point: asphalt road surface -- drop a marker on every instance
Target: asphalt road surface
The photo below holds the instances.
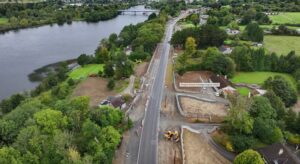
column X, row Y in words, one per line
column 149, row 138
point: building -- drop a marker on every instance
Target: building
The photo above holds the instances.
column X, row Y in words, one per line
column 232, row 32
column 277, row 153
column 225, row 50
column 258, row 92
column 114, row 101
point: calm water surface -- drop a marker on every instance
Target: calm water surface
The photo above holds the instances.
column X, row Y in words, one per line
column 23, row 51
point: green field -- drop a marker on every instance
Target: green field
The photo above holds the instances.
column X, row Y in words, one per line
column 3, row 21
column 85, row 71
column 287, row 17
column 282, row 45
column 259, row 77
column 243, row 91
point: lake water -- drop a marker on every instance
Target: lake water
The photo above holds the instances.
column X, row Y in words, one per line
column 23, row 51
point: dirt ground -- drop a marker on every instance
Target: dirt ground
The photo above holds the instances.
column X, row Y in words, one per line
column 191, row 105
column 95, row 88
column 169, row 152
column 192, row 77
column 198, row 151
column 141, row 69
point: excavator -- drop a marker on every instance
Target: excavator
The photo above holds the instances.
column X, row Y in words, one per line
column 172, row 135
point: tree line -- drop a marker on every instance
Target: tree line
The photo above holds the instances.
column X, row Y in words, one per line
column 28, row 15
column 141, row 39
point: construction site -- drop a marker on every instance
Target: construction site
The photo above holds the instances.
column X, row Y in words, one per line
column 190, row 112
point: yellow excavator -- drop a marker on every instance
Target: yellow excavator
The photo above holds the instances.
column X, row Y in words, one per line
column 172, row 135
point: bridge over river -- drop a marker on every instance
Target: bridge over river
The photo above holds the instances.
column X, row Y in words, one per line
column 135, row 12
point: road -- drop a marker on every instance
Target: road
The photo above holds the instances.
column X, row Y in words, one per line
column 148, row 149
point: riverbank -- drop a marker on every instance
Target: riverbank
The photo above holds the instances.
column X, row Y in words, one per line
column 55, row 14
column 24, row 51
column 39, row 74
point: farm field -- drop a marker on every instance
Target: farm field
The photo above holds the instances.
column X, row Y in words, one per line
column 85, row 71
column 259, row 77
column 282, row 45
column 286, row 17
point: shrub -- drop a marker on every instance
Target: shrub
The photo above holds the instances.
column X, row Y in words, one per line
column 111, row 84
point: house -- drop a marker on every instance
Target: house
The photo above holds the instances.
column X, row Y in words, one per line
column 277, row 153
column 257, row 44
column 225, row 49
column 114, row 101
column 203, row 19
column 128, row 50
column 232, row 32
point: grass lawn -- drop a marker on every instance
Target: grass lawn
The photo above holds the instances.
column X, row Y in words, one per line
column 243, row 91
column 186, row 24
column 85, row 71
column 282, row 45
column 286, row 17
column 3, row 21
column 259, row 77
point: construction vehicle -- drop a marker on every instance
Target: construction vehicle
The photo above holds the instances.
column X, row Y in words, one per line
column 172, row 135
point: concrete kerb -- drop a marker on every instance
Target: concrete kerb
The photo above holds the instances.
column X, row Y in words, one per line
column 136, row 98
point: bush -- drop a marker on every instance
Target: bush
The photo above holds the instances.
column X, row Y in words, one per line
column 71, row 82
column 111, row 84
column 242, row 142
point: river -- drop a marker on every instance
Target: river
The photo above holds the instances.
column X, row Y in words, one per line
column 23, row 51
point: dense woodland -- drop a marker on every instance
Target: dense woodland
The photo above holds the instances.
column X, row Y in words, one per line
column 35, row 14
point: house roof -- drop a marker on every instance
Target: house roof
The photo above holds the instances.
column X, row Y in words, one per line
column 277, row 154
column 117, row 101
column 225, row 48
column 220, row 79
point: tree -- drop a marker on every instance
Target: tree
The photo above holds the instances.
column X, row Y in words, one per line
column 195, row 19
column 224, row 65
column 262, row 108
column 102, row 55
column 111, row 84
column 83, row 59
column 190, row 46
column 113, row 38
column 276, row 103
column 266, row 130
column 50, row 120
column 242, row 142
column 283, row 89
column 9, row 155
column 238, row 119
column 211, row 35
column 109, row 69
column 152, row 16
column 248, row 157
column 254, row 32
